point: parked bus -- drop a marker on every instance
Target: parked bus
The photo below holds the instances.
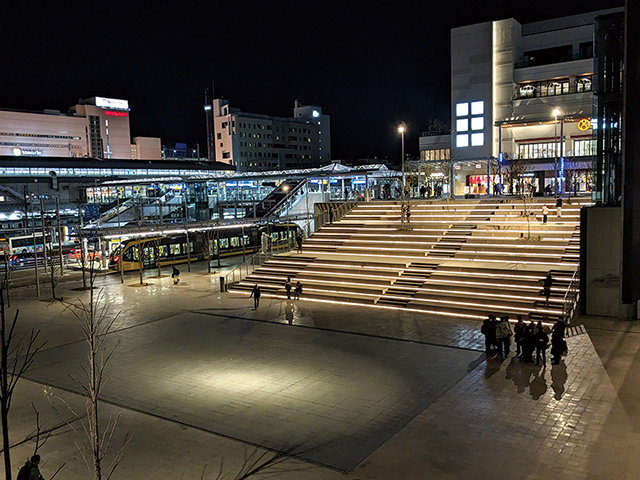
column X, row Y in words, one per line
column 24, row 244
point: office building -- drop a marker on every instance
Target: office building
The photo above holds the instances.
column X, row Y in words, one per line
column 253, row 142
column 97, row 127
column 521, row 92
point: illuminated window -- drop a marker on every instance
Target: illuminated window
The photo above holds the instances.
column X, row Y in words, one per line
column 462, row 141
column 462, row 109
column 477, row 139
column 477, row 123
column 462, row 125
column 477, row 108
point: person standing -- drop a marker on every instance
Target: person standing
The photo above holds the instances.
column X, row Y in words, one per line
column 518, row 333
column 346, row 193
column 255, row 293
column 558, row 345
column 488, row 329
column 545, row 213
column 546, row 289
column 287, row 287
column 297, row 291
column 408, row 213
column 330, row 214
column 30, row 470
column 299, row 242
column 559, row 207
column 542, row 342
column 529, row 343
column 503, row 335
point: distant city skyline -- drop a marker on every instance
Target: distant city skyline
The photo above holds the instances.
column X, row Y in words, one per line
column 367, row 64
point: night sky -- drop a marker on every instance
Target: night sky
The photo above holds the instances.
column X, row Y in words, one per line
column 368, row 64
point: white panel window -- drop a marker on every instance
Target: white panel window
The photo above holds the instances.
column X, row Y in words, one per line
column 477, row 123
column 462, row 125
column 462, row 141
column 477, row 139
column 477, row 108
column 462, row 109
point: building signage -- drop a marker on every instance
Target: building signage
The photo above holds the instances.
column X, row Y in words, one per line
column 116, row 114
column 584, row 124
column 113, row 103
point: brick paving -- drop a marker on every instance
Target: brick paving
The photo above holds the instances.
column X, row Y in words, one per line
column 409, row 409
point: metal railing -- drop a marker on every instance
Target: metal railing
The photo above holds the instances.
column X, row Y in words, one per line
column 255, row 261
column 340, row 211
column 571, row 297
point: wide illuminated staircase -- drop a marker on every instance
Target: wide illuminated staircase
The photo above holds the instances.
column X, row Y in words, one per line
column 465, row 260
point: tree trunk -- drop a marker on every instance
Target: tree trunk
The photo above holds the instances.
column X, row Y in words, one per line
column 4, row 391
column 158, row 261
column 140, row 261
column 94, row 427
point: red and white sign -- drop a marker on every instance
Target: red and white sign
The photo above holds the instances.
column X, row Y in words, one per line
column 116, row 114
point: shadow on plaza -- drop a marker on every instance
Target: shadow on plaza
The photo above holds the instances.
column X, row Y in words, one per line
column 528, row 375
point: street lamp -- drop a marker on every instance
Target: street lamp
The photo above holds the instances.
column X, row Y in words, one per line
column 556, row 113
column 401, row 129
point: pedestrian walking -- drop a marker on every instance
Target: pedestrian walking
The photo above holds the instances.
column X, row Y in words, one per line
column 529, row 343
column 175, row 274
column 30, row 470
column 408, row 213
column 559, row 207
column 299, row 242
column 287, row 287
column 297, row 291
column 546, row 289
column 330, row 214
column 346, row 192
column 518, row 333
column 503, row 335
column 488, row 329
column 542, row 342
column 255, row 293
column 545, row 213
column 423, row 191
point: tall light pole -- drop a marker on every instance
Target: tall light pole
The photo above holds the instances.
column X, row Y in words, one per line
column 556, row 113
column 401, row 129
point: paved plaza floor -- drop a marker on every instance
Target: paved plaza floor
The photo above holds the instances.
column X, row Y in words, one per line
column 201, row 380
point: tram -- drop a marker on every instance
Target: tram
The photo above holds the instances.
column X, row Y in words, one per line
column 171, row 248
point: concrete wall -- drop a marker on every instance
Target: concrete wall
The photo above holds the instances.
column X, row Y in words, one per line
column 602, row 244
column 148, row 148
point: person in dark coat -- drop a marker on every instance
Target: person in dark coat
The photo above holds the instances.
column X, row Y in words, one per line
column 542, row 342
column 297, row 291
column 488, row 329
column 287, row 287
column 330, row 214
column 255, row 293
column 175, row 274
column 299, row 242
column 558, row 345
column 518, row 331
column 548, row 282
column 528, row 343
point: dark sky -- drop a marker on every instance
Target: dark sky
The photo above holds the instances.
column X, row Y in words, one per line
column 368, row 64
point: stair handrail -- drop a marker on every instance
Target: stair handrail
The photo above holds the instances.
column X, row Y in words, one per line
column 255, row 261
column 322, row 218
column 286, row 199
column 571, row 297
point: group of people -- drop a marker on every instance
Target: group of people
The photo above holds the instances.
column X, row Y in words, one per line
column 288, row 286
column 529, row 338
column 545, row 210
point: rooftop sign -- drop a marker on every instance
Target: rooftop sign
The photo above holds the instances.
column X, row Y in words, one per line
column 112, row 103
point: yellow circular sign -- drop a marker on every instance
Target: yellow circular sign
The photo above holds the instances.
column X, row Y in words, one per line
column 584, row 124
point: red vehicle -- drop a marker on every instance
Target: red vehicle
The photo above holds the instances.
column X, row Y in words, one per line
column 76, row 254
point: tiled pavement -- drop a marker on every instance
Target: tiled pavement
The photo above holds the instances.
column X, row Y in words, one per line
column 331, row 397
column 499, row 420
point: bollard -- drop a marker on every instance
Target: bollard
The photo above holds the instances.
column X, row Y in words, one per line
column 223, row 287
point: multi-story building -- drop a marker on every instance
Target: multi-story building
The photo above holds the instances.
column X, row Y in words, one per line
column 521, row 92
column 253, row 142
column 97, row 127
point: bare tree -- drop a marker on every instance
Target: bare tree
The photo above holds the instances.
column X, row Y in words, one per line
column 16, row 356
column 96, row 322
column 141, row 252
column 208, row 245
column 157, row 246
column 574, row 173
